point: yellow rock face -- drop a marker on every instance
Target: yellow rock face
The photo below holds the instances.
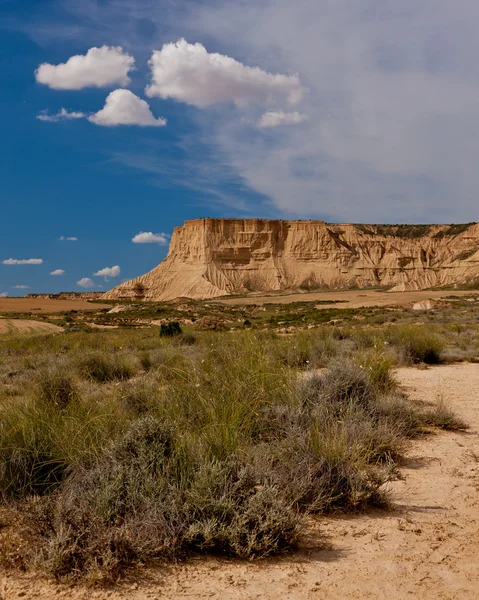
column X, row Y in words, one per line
column 216, row 257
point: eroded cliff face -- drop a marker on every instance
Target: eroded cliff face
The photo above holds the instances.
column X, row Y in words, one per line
column 216, row 257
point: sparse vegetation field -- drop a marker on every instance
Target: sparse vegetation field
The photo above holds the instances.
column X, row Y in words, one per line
column 222, row 435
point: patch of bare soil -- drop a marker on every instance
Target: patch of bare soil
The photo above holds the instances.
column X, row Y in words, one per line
column 25, row 326
column 349, row 299
column 45, row 305
column 426, row 548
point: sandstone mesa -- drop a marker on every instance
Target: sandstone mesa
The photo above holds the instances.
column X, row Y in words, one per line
column 209, row 258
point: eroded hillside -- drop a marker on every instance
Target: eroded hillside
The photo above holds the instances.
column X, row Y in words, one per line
column 209, row 258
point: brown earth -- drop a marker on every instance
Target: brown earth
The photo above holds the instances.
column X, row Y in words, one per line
column 349, row 299
column 426, row 548
column 209, row 258
column 42, row 305
column 25, row 326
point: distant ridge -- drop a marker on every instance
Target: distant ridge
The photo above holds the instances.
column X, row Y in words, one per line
column 209, row 258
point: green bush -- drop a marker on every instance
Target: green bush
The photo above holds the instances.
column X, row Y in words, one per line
column 170, row 329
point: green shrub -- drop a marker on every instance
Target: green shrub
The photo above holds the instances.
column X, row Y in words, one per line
column 170, row 329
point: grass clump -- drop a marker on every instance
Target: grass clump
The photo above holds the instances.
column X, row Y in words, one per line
column 103, row 368
column 416, row 344
column 57, row 388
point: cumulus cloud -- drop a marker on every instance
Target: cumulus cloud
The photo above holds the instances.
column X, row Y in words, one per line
column 58, row 272
column 4, row 295
column 62, row 238
column 147, row 237
column 108, row 272
column 99, row 67
column 189, row 73
column 86, row 282
column 123, row 107
column 26, row 261
column 21, row 287
column 61, row 115
column 275, row 118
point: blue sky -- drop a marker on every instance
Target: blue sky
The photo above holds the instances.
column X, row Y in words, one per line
column 358, row 110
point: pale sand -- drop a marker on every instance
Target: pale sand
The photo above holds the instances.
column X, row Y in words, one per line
column 350, row 299
column 427, row 548
column 43, row 305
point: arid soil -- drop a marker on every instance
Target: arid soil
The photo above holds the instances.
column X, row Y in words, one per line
column 41, row 305
column 426, row 548
column 349, row 299
column 26, row 326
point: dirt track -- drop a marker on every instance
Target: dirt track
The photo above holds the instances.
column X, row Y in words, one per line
column 427, row 548
column 350, row 299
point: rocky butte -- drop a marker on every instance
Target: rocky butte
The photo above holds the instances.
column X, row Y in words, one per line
column 208, row 258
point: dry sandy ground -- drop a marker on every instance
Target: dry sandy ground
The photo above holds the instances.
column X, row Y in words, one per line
column 427, row 548
column 354, row 299
column 42, row 305
column 25, row 326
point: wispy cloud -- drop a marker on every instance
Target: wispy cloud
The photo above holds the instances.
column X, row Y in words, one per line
column 62, row 238
column 276, row 118
column 21, row 287
column 62, row 115
column 58, row 272
column 26, row 261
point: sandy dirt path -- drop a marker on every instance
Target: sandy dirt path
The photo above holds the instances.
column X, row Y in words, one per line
column 427, row 548
column 349, row 299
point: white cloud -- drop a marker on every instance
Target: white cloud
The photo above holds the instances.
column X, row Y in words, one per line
column 62, row 238
column 21, row 287
column 147, row 237
column 62, row 115
column 122, row 107
column 58, row 272
column 27, row 261
column 100, row 67
column 86, row 282
column 189, row 73
column 275, row 118
column 108, row 272
column 4, row 295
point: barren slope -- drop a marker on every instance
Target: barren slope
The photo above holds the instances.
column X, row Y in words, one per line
column 215, row 257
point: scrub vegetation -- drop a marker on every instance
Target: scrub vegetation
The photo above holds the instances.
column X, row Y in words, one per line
column 124, row 445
